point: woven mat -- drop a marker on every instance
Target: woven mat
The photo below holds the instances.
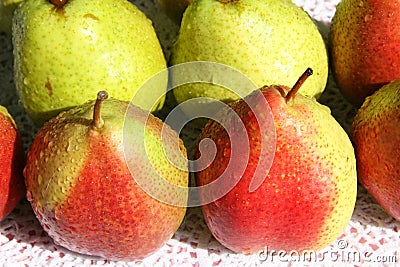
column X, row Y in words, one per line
column 371, row 238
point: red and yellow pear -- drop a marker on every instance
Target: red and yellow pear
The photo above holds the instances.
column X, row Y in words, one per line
column 82, row 184
column 305, row 200
column 376, row 137
column 365, row 46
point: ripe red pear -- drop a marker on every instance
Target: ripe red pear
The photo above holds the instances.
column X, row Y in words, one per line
column 376, row 136
column 82, row 183
column 12, row 161
column 365, row 46
column 305, row 200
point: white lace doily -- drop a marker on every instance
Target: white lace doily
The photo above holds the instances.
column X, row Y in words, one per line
column 371, row 238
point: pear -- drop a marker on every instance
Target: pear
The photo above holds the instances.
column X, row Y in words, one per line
column 174, row 8
column 304, row 200
column 268, row 41
column 65, row 52
column 12, row 159
column 82, row 184
column 375, row 135
column 365, row 47
column 7, row 8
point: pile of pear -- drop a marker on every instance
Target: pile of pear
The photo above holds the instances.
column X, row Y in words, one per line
column 79, row 69
column 365, row 55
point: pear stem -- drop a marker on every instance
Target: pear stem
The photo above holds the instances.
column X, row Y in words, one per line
column 58, row 3
column 292, row 93
column 97, row 121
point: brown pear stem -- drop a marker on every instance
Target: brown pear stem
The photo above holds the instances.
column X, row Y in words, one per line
column 58, row 3
column 292, row 93
column 97, row 121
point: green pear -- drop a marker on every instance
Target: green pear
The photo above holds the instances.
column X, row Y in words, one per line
column 305, row 200
column 375, row 134
column 7, row 8
column 65, row 53
column 12, row 159
column 82, row 175
column 269, row 41
column 365, row 46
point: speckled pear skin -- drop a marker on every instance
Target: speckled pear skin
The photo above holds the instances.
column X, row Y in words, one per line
column 365, row 47
column 83, row 193
column 375, row 134
column 308, row 196
column 270, row 41
column 64, row 56
column 12, row 160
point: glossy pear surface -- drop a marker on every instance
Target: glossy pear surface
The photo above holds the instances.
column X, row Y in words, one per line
column 306, row 198
column 375, row 134
column 269, row 41
column 12, row 160
column 365, row 46
column 83, row 185
column 65, row 55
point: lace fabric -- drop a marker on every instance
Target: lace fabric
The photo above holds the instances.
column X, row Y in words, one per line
column 371, row 238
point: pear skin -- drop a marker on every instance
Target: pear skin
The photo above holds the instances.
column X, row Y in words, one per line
column 375, row 134
column 12, row 160
column 307, row 197
column 365, row 47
